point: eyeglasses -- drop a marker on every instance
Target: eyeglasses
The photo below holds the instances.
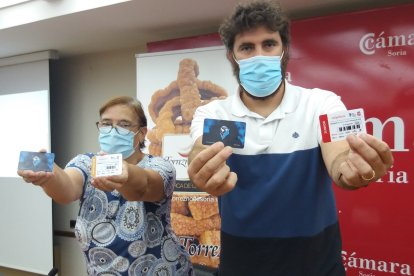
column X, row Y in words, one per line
column 122, row 128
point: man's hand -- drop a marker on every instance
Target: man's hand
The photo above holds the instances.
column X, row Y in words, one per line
column 210, row 173
column 367, row 160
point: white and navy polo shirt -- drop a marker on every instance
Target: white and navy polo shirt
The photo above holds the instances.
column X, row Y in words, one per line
column 283, row 189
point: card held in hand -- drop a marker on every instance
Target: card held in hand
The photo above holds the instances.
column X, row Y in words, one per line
column 36, row 161
column 106, row 165
column 336, row 126
column 231, row 133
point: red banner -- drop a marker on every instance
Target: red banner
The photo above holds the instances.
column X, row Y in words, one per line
column 368, row 59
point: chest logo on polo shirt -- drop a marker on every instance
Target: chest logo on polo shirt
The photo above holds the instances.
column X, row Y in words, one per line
column 295, row 135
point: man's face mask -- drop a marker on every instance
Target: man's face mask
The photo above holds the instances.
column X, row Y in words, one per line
column 260, row 76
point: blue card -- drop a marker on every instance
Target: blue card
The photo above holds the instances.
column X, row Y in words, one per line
column 36, row 161
column 231, row 133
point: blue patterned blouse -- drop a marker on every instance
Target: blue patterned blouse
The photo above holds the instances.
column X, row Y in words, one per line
column 120, row 237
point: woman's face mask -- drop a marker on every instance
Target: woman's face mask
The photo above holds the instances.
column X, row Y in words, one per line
column 113, row 142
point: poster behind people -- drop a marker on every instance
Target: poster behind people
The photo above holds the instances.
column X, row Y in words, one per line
column 367, row 58
column 171, row 85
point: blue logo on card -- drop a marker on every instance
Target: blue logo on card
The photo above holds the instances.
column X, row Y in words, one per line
column 36, row 161
column 224, row 132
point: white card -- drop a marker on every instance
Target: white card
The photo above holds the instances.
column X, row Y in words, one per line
column 338, row 125
column 106, row 165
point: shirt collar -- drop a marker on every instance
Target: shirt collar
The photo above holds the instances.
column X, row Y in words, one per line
column 288, row 105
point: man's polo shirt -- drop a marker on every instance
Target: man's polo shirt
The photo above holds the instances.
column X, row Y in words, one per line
column 283, row 188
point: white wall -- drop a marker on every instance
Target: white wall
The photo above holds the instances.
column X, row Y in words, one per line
column 79, row 86
column 68, row 257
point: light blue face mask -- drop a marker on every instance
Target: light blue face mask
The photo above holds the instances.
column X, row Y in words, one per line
column 113, row 142
column 260, row 76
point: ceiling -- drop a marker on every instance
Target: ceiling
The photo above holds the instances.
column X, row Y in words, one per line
column 132, row 24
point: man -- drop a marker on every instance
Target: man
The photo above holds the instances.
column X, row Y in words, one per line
column 275, row 195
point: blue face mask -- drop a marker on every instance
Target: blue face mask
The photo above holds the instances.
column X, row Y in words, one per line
column 260, row 76
column 113, row 142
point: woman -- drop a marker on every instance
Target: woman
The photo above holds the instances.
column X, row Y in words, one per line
column 123, row 225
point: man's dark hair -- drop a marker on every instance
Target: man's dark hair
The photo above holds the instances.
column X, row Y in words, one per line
column 252, row 15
